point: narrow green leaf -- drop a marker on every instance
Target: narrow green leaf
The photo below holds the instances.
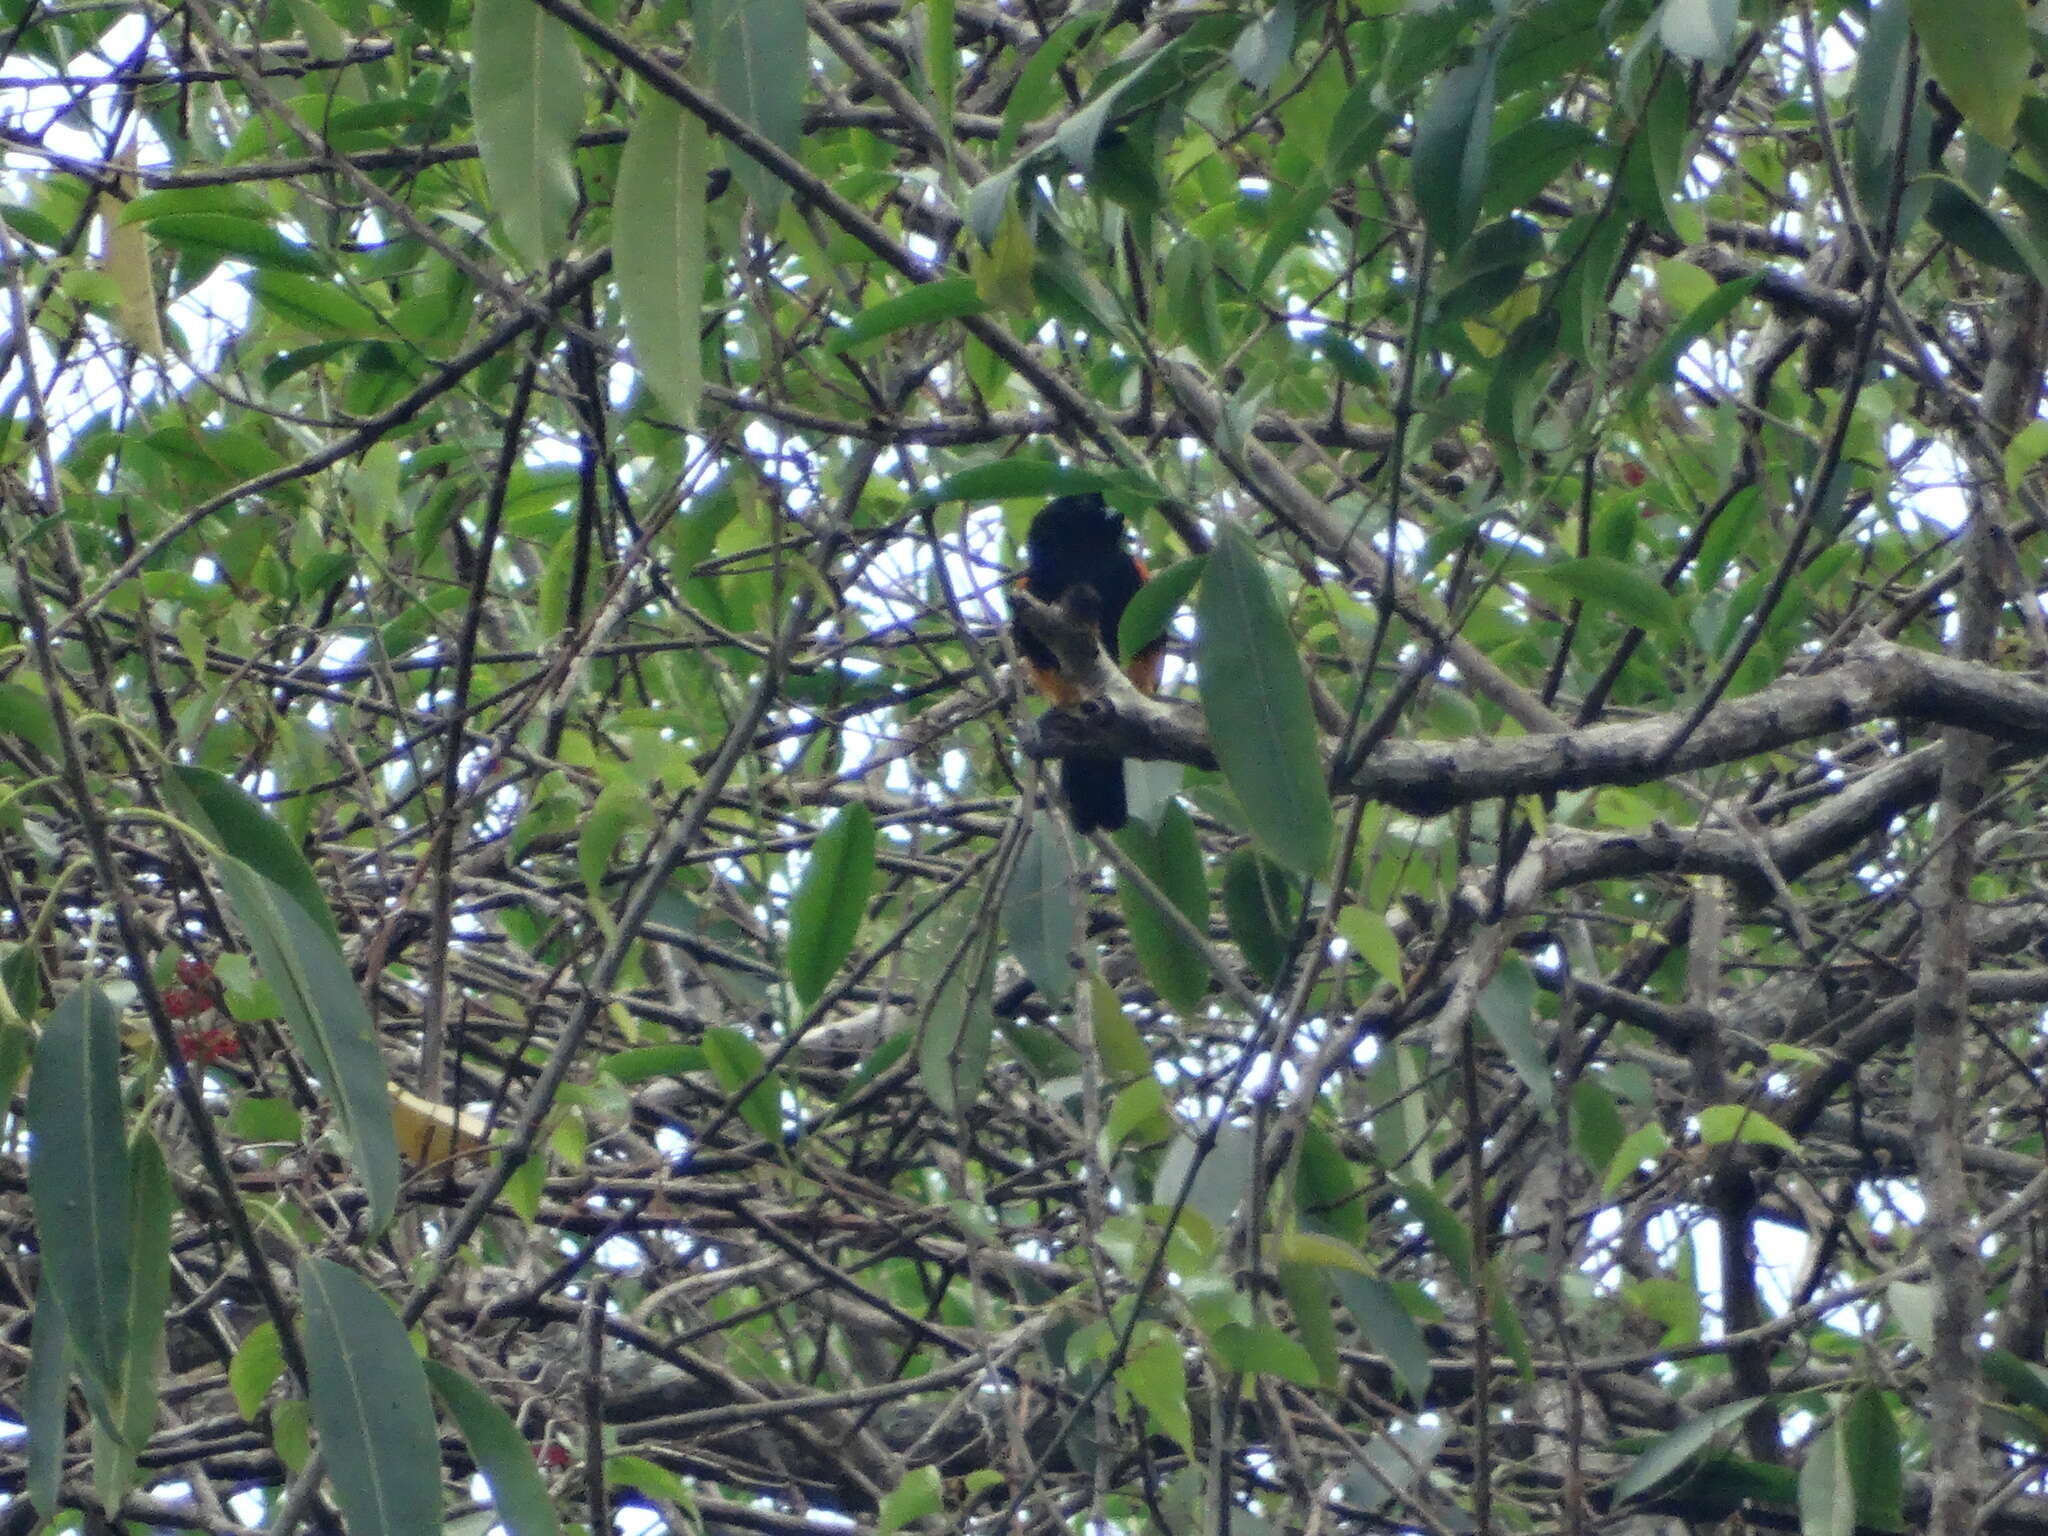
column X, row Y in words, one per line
column 237, row 821
column 1669, row 1453
column 1313, row 1302
column 78, row 1181
column 502, row 1453
column 1960, row 216
column 1663, row 362
column 1388, row 1328
column 1507, row 1007
column 736, row 1061
column 149, row 1181
column 755, row 56
column 1827, row 1500
column 941, row 58
column 1149, row 615
column 314, row 305
column 658, row 246
column 953, row 1050
column 1721, row 1123
column 1172, row 857
column 526, row 89
column 370, row 1406
column 1625, row 590
column 832, row 898
column 926, row 304
column 1445, row 1228
column 243, row 239
column 1257, row 704
column 1037, row 87
column 1447, row 168
column 321, row 1002
column 1259, row 903
column 1876, row 1460
column 1040, row 907
column 42, row 1400
column 1978, row 52
column 1010, row 479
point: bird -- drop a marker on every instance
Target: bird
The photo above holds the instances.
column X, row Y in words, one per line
column 1076, row 542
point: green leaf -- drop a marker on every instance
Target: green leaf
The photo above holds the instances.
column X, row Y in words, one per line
column 79, row 1181
column 1626, row 590
column 1149, row 615
column 314, row 305
column 1827, row 1499
column 1960, row 216
column 526, row 89
column 370, row 1405
column 1259, row 904
column 149, row 1297
column 1257, row 704
column 756, row 57
column 502, row 1453
column 1643, row 1145
column 736, row 1061
column 658, row 250
column 323, row 1005
column 258, row 1363
column 26, row 713
column 1979, row 52
column 1008, row 480
column 42, row 1399
column 1037, row 87
column 1372, row 936
column 1172, row 857
column 1040, row 908
column 915, row 1498
column 1507, row 1005
column 1264, row 1350
column 1671, row 1452
column 1882, row 97
column 1722, row 1123
column 648, row 1062
column 236, row 820
column 832, row 898
column 1448, row 165
column 1597, row 1130
column 1263, row 48
column 1699, row 31
column 1876, row 1460
column 1156, row 1377
column 1376, row 1308
column 620, row 805
column 243, row 239
column 1313, row 1301
column 953, row 1050
column 928, row 303
column 1702, row 318
column 1445, row 1228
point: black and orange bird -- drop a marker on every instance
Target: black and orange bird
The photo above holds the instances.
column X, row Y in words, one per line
column 1077, row 542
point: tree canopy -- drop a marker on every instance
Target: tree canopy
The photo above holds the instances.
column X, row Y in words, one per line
column 546, row 980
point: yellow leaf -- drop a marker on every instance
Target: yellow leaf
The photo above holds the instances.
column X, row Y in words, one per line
column 430, row 1133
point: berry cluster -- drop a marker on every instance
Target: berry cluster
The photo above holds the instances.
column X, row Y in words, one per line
column 196, row 995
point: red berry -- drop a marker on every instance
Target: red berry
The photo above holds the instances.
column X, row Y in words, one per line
column 195, row 973
column 184, row 1003
column 1633, row 474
